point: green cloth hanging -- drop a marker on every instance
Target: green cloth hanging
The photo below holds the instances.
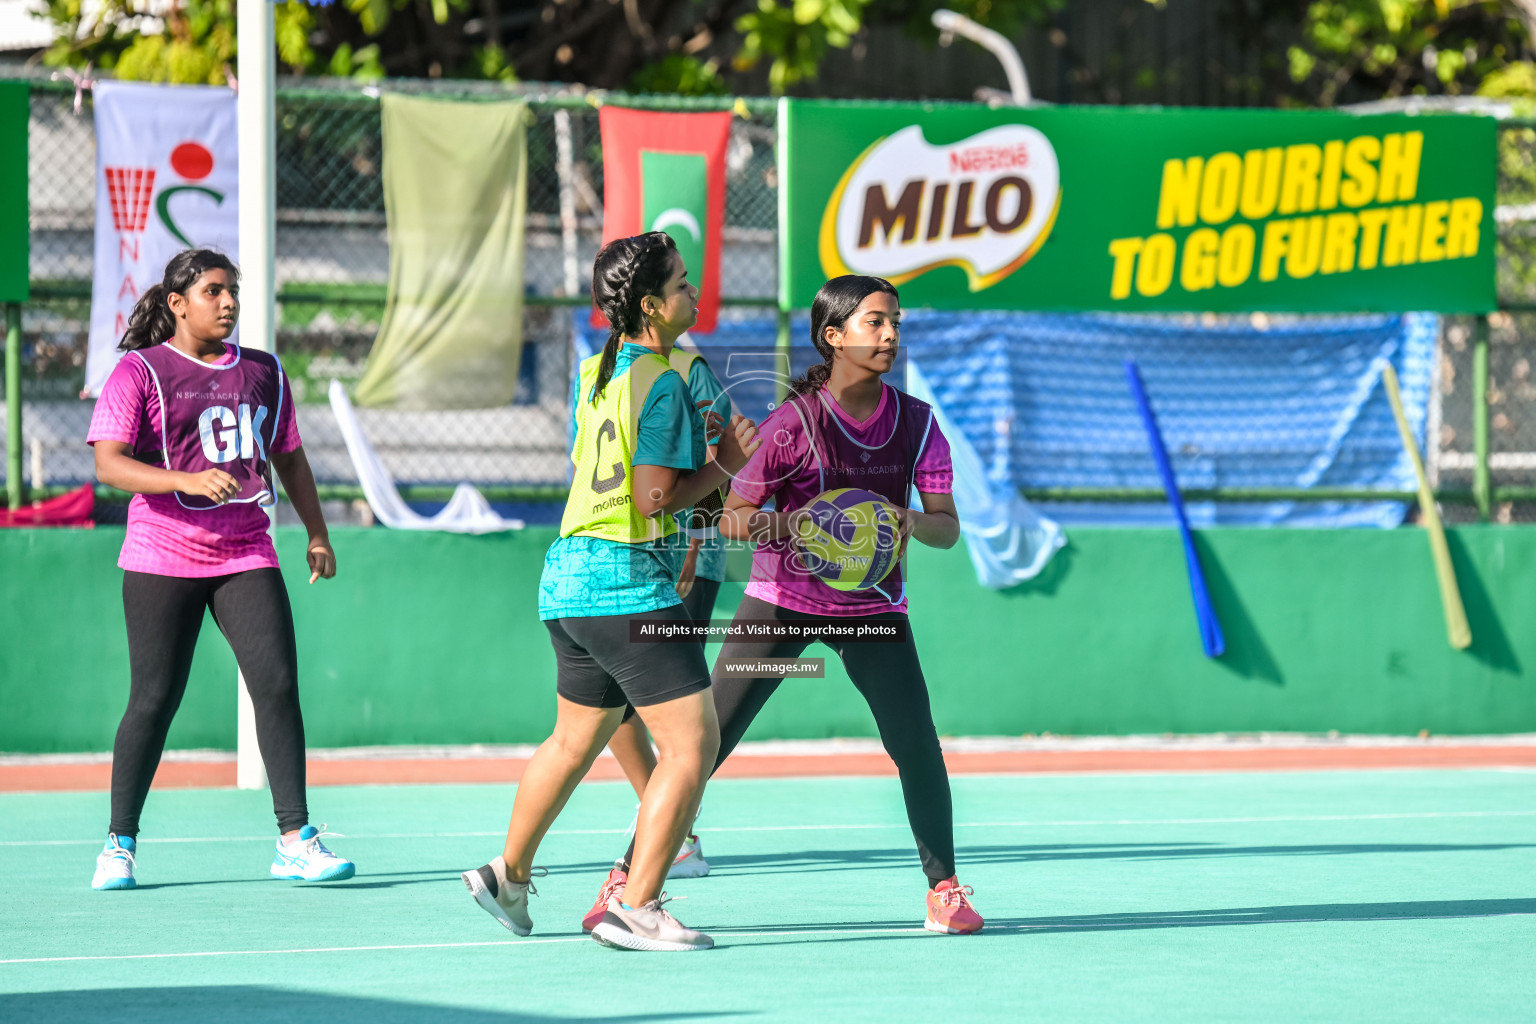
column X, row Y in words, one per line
column 455, row 199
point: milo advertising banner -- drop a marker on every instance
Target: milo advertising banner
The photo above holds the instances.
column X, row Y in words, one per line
column 1099, row 208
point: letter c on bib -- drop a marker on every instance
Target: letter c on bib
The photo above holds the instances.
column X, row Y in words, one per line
column 219, row 431
column 608, row 483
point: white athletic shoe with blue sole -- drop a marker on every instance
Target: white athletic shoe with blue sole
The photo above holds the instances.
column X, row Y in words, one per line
column 307, row 860
column 115, row 864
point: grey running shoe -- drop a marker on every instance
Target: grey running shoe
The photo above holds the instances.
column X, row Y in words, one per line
column 648, row 927
column 505, row 900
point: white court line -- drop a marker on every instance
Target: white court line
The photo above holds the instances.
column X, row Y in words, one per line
column 1044, row 926
column 454, row 945
column 1108, row 822
column 271, row 952
column 1140, row 821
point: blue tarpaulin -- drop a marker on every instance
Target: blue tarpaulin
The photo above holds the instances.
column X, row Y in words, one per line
column 1042, row 400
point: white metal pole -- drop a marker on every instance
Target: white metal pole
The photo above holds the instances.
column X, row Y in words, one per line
column 256, row 113
column 951, row 24
column 565, row 169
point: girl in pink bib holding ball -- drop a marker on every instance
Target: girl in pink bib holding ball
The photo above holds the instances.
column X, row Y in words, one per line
column 842, row 427
column 194, row 427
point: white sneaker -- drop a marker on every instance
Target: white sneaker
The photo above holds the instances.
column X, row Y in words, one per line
column 307, row 860
column 503, row 899
column 649, row 928
column 115, row 864
column 689, row 862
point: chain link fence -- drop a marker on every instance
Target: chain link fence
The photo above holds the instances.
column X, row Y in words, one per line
column 332, row 267
column 1509, row 337
column 332, row 263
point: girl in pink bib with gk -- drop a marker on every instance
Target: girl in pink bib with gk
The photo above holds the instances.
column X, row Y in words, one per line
column 194, row 426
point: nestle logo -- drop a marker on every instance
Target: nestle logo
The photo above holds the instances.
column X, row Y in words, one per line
column 988, row 158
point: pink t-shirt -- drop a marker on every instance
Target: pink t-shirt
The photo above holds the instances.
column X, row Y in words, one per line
column 784, row 468
column 163, row 537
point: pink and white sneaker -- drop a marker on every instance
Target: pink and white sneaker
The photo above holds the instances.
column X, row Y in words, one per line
column 689, row 862
column 950, row 911
column 613, row 887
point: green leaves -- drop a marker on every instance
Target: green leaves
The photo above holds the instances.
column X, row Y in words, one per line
column 492, row 63
column 362, row 65
column 373, row 15
column 1398, row 47
column 1513, row 81
column 196, row 44
column 680, row 74
column 196, row 39
column 293, row 23
column 796, row 36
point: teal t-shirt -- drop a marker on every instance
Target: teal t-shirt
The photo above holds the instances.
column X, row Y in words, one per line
column 706, row 387
column 593, row 576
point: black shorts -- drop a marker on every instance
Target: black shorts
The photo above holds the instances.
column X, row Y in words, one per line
column 598, row 666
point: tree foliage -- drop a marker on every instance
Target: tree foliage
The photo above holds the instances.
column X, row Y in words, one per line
column 1391, row 48
column 795, row 36
column 1321, row 54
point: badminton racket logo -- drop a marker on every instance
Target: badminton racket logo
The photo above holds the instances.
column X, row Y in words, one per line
column 131, row 193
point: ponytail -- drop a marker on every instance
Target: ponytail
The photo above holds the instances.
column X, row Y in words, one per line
column 152, row 323
column 625, row 272
column 835, row 302
column 817, row 375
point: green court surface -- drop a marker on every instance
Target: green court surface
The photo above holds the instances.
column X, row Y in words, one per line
column 1401, row 896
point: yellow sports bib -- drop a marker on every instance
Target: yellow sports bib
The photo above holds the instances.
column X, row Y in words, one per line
column 682, row 362
column 602, row 499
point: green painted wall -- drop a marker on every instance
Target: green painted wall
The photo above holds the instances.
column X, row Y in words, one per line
column 430, row 638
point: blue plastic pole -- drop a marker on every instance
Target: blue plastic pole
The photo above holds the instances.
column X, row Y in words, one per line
column 1210, row 628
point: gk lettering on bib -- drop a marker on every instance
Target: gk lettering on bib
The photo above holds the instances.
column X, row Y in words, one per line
column 222, row 417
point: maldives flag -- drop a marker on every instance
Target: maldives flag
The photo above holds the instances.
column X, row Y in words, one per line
column 666, row 172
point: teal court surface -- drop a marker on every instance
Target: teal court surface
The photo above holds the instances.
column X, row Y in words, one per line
column 1348, row 896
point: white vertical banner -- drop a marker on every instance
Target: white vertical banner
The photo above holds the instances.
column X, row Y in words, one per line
column 167, row 179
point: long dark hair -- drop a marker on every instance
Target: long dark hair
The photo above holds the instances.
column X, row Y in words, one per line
column 152, row 322
column 837, row 300
column 626, row 271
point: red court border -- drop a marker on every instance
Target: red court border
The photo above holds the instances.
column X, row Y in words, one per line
column 405, row 771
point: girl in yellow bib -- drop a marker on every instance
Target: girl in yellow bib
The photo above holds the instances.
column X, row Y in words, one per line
column 639, row 458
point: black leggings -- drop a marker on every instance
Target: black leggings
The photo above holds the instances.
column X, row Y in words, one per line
column 165, row 614
column 890, row 679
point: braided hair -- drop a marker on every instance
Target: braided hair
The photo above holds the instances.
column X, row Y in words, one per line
column 626, row 271
column 835, row 303
column 152, row 323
